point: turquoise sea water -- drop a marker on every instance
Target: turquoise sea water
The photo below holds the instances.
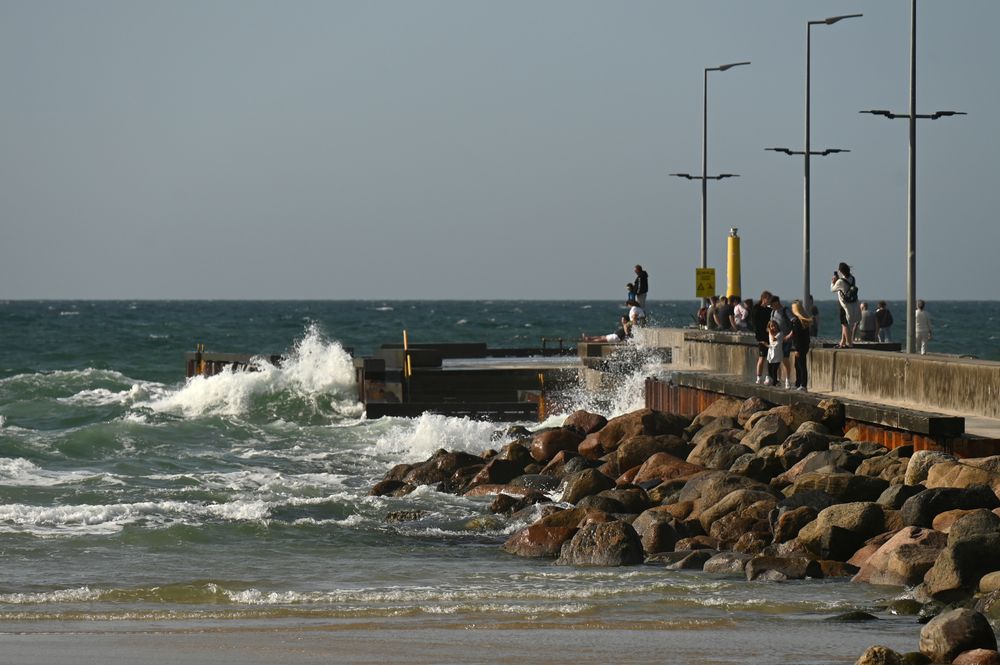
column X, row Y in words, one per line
column 129, row 496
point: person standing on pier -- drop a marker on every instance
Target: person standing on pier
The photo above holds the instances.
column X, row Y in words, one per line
column 780, row 316
column 801, row 326
column 641, row 285
column 883, row 317
column 760, row 314
column 846, row 288
column 869, row 325
column 923, row 327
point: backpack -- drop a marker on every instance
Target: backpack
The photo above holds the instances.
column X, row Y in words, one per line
column 851, row 293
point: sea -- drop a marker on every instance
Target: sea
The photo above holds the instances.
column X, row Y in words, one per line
column 135, row 502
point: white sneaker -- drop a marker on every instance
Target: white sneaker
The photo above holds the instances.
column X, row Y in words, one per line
column 801, row 388
column 767, row 380
column 788, row 384
column 759, row 379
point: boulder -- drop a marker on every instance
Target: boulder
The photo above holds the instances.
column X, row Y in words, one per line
column 657, row 531
column 844, row 487
column 557, row 466
column 727, row 563
column 838, row 531
column 796, row 446
column 886, row 467
column 535, row 481
column 585, row 422
column 633, row 499
column 505, row 504
column 947, row 635
column 796, row 414
column 989, row 582
column 718, row 451
column 961, row 474
column 545, row 445
column 775, row 568
column 921, row 462
column 750, row 406
column 497, row 471
column 391, row 488
column 637, row 449
column 768, row 430
column 814, row 427
column 973, row 542
column 440, row 467
column 880, row 655
column 790, row 522
column 664, row 467
column 978, row 657
column 922, row 508
column 870, row 546
column 585, row 483
column 537, row 541
column 724, row 407
column 758, row 467
column 896, row 495
column 591, row 447
column 943, row 521
column 709, row 487
column 734, row 502
column 832, row 569
column 813, row 498
column 608, row 544
column 694, row 560
column 601, row 503
column 712, row 428
column 643, row 421
column 833, row 414
column 903, row 559
column 572, row 517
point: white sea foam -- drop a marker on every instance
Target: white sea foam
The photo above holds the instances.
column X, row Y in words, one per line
column 410, row 440
column 317, row 370
column 20, row 472
column 77, row 595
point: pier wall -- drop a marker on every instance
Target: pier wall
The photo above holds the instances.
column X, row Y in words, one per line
column 935, row 382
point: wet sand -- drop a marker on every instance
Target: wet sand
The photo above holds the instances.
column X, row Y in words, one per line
column 382, row 642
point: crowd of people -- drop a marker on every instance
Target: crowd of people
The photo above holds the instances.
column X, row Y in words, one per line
column 783, row 334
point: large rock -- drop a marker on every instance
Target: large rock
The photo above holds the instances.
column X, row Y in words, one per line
column 880, row 655
column 921, row 462
column 844, row 487
column 790, row 522
column 657, row 530
column 775, row 568
column 664, row 467
column 712, row 428
column 838, row 531
column 886, row 467
column 497, row 471
column 896, row 495
column 643, row 421
column 585, row 422
column 709, row 487
column 833, row 415
column 440, row 467
column 761, row 468
column 825, row 461
column 978, row 657
column 796, row 414
column 538, row 541
column 545, row 445
column 971, row 552
column 718, row 451
column 727, row 563
column 632, row 499
column 903, row 560
column 608, row 544
column 585, row 483
column 768, row 430
column 736, row 501
column 950, row 633
column 750, row 406
column 724, row 407
column 960, row 474
column 796, row 446
column 637, row 449
column 922, row 508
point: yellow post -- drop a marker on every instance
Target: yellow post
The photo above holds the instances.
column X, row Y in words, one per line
column 733, row 278
column 407, row 367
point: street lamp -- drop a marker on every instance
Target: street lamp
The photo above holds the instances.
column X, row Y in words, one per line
column 911, row 228
column 808, row 152
column 704, row 177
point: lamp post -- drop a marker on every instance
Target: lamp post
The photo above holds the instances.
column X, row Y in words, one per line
column 807, row 153
column 704, row 177
column 911, row 227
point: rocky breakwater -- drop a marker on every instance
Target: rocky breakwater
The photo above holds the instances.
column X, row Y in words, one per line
column 752, row 489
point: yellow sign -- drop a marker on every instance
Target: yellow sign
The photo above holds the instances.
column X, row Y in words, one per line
column 704, row 279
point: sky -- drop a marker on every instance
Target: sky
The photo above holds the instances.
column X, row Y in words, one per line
column 464, row 149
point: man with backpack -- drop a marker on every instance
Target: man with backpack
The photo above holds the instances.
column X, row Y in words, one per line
column 846, row 288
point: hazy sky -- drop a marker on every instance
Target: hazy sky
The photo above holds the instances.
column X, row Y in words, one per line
column 470, row 149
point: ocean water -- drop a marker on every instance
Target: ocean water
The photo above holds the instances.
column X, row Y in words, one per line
column 132, row 499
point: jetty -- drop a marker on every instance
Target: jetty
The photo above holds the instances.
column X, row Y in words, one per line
column 937, row 402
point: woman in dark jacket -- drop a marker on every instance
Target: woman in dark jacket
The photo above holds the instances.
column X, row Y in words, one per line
column 760, row 314
column 800, row 335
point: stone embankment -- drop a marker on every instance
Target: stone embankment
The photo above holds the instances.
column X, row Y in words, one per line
column 747, row 488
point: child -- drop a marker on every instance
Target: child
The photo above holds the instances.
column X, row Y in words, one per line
column 630, row 287
column 774, row 353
